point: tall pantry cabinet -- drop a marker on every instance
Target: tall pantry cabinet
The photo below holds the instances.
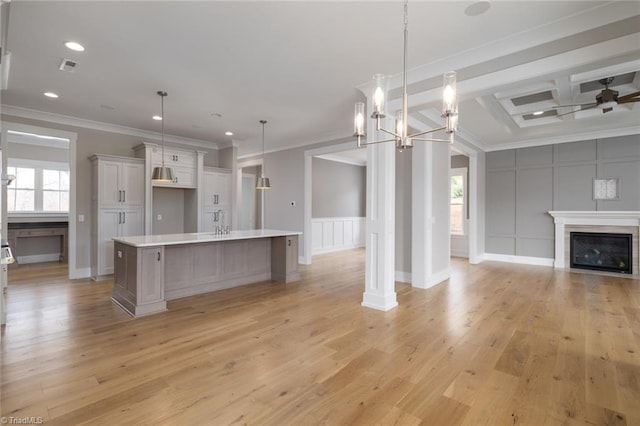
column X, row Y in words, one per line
column 216, row 199
column 117, row 204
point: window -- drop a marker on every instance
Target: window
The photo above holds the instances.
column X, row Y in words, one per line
column 458, row 211
column 39, row 187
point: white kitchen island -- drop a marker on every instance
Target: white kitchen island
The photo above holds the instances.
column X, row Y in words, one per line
column 151, row 269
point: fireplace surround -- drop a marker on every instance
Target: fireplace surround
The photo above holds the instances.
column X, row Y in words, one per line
column 614, row 222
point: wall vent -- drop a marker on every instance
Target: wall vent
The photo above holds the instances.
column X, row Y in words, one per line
column 67, row 65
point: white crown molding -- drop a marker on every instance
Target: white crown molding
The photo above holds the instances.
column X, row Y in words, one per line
column 32, row 114
column 598, row 134
column 328, row 140
column 340, row 159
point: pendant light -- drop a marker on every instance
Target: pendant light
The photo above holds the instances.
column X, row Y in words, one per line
column 263, row 182
column 162, row 173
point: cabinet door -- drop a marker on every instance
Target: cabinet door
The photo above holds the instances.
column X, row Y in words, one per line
column 151, row 279
column 175, row 157
column 109, row 227
column 208, row 190
column 223, row 189
column 208, row 224
column 132, row 184
column 292, row 254
column 184, row 177
column 132, row 222
column 120, row 272
column 109, row 193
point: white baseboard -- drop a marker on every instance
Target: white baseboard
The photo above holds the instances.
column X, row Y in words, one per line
column 459, row 253
column 434, row 279
column 334, row 249
column 476, row 259
column 38, row 258
column 302, row 260
column 525, row 260
column 80, row 273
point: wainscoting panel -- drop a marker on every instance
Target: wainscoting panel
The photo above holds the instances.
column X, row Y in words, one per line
column 336, row 233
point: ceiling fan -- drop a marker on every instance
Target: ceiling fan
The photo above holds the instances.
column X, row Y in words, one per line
column 605, row 100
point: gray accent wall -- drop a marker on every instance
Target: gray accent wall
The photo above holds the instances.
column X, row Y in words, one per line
column 522, row 185
column 338, row 189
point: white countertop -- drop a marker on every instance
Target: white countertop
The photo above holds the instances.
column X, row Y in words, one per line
column 200, row 237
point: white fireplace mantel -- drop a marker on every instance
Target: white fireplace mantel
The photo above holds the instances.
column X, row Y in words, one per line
column 589, row 218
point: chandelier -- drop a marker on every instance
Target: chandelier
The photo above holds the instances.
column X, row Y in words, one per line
column 401, row 135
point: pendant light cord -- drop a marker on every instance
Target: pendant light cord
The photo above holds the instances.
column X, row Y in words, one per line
column 162, row 94
column 263, row 122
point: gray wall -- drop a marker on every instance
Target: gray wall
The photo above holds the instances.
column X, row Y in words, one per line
column 339, row 189
column 33, row 152
column 90, row 142
column 403, row 210
column 524, row 184
column 168, row 202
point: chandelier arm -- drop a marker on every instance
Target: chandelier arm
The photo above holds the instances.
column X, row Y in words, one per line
column 413, row 136
column 389, row 132
column 431, row 140
column 377, row 142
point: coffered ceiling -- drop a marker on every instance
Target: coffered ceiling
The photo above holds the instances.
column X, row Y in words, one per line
column 302, row 65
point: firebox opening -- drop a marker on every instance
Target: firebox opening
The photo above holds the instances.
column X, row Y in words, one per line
column 601, row 251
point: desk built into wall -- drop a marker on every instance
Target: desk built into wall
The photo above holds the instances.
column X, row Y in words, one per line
column 18, row 231
column 151, row 269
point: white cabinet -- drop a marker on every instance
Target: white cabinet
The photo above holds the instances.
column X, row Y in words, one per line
column 117, row 206
column 187, row 166
column 182, row 162
column 119, row 183
column 216, row 199
column 115, row 223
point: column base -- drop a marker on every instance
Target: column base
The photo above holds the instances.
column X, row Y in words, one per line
column 381, row 303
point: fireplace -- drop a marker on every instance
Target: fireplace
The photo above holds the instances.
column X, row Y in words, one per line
column 608, row 252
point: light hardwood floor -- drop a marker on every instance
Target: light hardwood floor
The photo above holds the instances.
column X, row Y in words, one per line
column 497, row 344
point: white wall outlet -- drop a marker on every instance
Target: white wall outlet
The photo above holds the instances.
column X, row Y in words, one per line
column 159, row 217
column 80, row 218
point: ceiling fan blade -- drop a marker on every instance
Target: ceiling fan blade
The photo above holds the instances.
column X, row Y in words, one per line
column 575, row 105
column 571, row 112
column 631, row 97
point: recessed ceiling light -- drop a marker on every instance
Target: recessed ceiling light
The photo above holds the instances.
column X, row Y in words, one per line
column 538, row 113
column 74, row 46
column 157, row 118
column 228, row 133
column 477, row 8
column 51, row 95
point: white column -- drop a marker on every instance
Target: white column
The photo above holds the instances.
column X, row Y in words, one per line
column 380, row 231
column 430, row 239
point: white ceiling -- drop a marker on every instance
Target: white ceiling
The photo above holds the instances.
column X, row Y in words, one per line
column 299, row 65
